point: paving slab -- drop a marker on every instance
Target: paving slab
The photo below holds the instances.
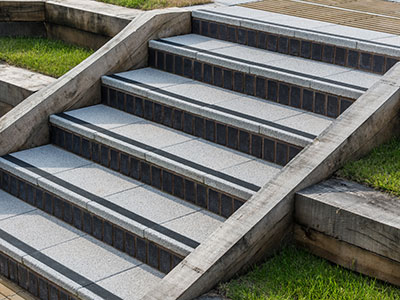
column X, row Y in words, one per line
column 11, row 206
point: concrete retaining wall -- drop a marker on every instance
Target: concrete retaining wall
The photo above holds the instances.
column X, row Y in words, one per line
column 255, row 229
column 26, row 125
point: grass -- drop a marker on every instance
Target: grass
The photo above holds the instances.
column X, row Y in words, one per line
column 154, row 4
column 49, row 57
column 380, row 169
column 296, row 274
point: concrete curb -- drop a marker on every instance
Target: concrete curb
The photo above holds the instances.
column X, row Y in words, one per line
column 257, row 228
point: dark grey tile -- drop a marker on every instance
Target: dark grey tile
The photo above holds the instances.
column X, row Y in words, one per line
column 119, row 238
column 169, row 62
column 320, row 100
column 305, row 50
column 198, row 71
column 86, row 151
column 316, row 51
column 199, row 126
column 3, row 266
column 138, row 106
column 252, row 38
column 207, row 73
column 145, row 173
column 213, row 32
column 283, row 94
column 87, row 222
column 153, row 255
column 238, row 82
column 232, row 34
column 156, row 177
column 378, row 63
column 148, row 110
column 160, row 60
column 178, row 119
column 249, row 84
column 48, row 203
column 222, row 32
column 141, row 249
column 60, row 141
column 58, row 207
column 178, row 187
column 124, row 164
column 63, row 296
column 201, row 195
column 97, row 228
column 43, row 289
column 256, row 145
column 269, row 150
column 365, row 61
column 221, row 134
column 104, row 155
column 293, row 151
column 152, row 57
column 165, row 261
column 260, row 87
column 210, row 130
column 262, row 40
column 213, row 201
column 328, row 54
column 130, row 247
column 188, row 123
column 23, row 279
column 77, row 217
column 5, row 183
column 272, row 42
column 68, row 141
column 108, row 233
column 308, row 100
column 242, row 36
column 352, row 59
column 332, row 107
column 294, row 47
column 281, row 154
column 390, row 62
column 53, row 292
column 176, row 261
column 190, row 191
column 67, row 212
column 244, row 141
column 226, row 205
column 158, row 112
column 12, row 271
column 134, row 168
column 196, row 26
column 167, row 182
column 33, row 284
column 120, row 101
column 283, row 45
column 178, row 65
column 39, row 202
column 344, row 104
column 218, row 77
column 95, row 152
column 228, row 80
column 295, row 96
column 76, row 144
column 272, row 90
column 167, row 116
column 112, row 97
column 13, row 186
column 204, row 28
column 188, row 68
column 233, row 138
column 104, row 95
column 340, row 56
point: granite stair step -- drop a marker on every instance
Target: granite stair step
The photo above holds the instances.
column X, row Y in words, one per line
column 310, row 85
column 54, row 260
column 152, row 226
column 157, row 155
column 342, row 45
column 196, row 108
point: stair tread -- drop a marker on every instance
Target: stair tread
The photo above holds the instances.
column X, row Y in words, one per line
column 158, row 208
column 200, row 155
column 248, row 108
column 201, row 46
column 75, row 261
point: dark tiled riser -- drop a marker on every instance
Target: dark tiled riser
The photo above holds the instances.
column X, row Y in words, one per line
column 30, row 281
column 328, row 53
column 182, row 187
column 273, row 90
column 269, row 149
column 127, row 242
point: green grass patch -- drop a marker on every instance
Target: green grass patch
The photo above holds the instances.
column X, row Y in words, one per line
column 296, row 274
column 379, row 169
column 50, row 57
column 154, row 4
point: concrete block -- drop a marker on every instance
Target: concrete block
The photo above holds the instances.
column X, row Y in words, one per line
column 166, row 47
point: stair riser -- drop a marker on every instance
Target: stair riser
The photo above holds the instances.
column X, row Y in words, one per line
column 177, row 185
column 31, row 281
column 308, row 99
column 308, row 49
column 111, row 234
column 263, row 147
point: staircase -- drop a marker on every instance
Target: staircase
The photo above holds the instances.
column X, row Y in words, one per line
column 131, row 186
